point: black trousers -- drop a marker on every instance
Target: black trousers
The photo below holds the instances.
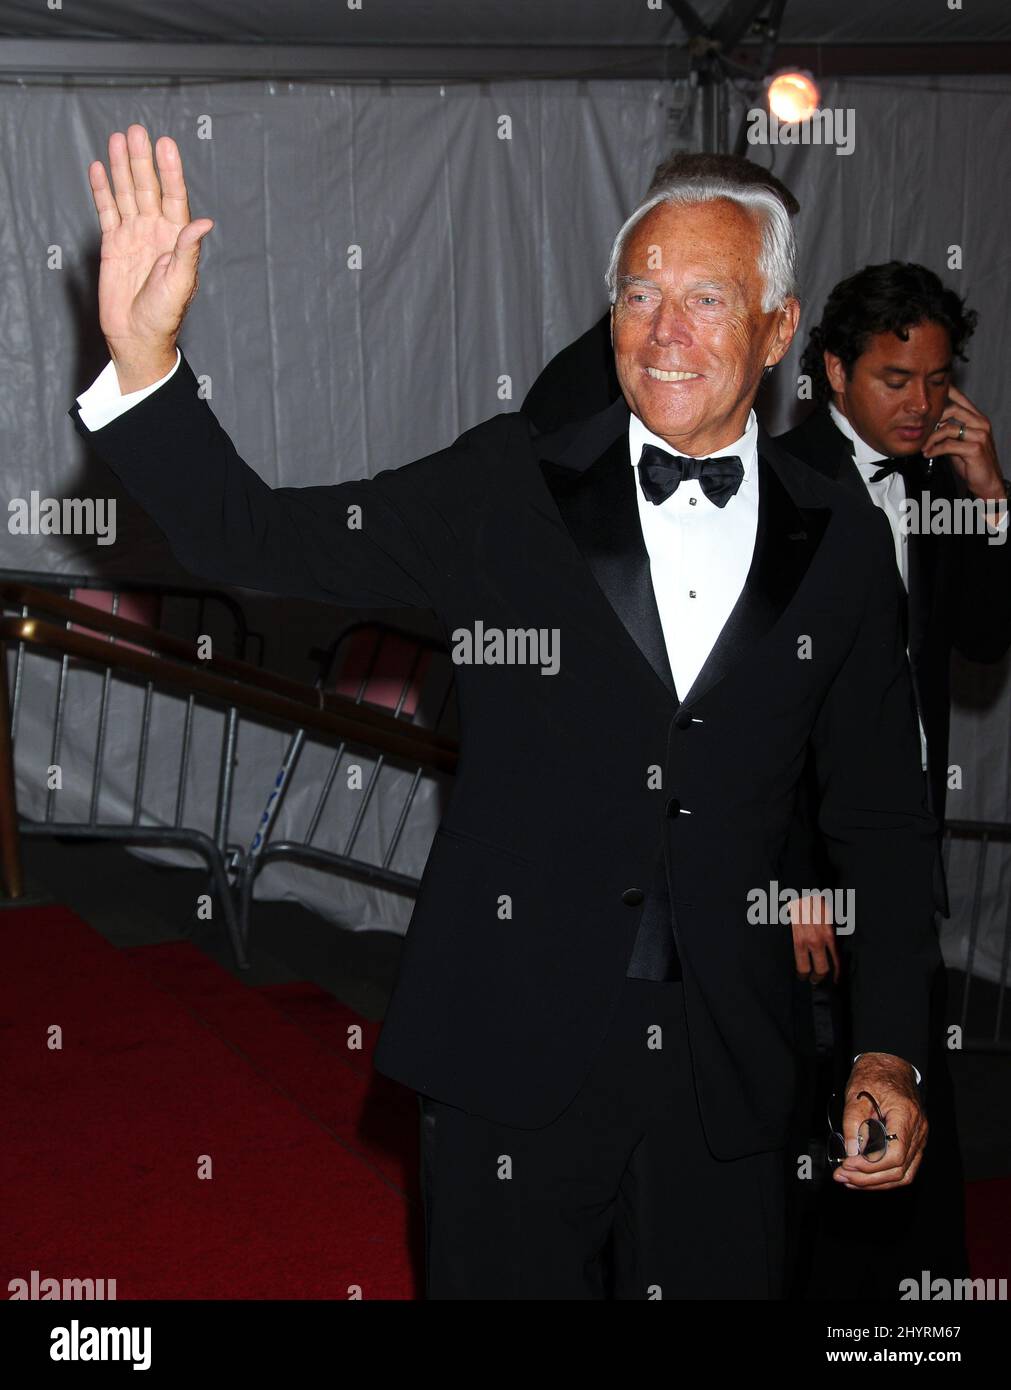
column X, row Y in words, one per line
column 619, row 1197
column 864, row 1246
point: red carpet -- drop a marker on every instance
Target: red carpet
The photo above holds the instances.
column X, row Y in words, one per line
column 166, row 1059
column 988, row 1227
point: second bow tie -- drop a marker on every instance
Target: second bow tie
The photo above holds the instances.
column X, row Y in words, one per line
column 911, row 466
column 661, row 473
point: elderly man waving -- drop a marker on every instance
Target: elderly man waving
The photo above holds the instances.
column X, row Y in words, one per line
column 598, row 1023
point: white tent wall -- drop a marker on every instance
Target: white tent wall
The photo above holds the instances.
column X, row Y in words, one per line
column 481, row 257
column 484, row 214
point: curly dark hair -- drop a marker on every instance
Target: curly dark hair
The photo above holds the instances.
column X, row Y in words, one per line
column 888, row 298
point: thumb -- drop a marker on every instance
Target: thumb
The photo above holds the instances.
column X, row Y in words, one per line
column 181, row 261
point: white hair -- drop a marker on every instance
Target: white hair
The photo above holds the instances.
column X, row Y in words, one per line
column 777, row 256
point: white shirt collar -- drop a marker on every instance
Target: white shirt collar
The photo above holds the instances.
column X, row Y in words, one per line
column 863, row 454
column 746, row 448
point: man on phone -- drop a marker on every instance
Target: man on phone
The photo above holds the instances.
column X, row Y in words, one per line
column 893, row 429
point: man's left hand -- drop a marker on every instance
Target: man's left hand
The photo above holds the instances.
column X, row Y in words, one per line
column 974, row 456
column 892, row 1083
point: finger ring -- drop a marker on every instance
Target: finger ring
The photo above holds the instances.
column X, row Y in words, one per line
column 961, row 429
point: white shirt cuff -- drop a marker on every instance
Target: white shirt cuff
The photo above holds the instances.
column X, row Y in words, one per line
column 919, row 1078
column 103, row 401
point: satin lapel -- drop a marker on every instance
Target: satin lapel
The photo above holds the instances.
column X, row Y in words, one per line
column 920, row 555
column 599, row 508
column 823, row 446
column 786, row 540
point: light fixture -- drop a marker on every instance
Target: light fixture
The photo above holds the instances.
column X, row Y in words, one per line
column 793, row 95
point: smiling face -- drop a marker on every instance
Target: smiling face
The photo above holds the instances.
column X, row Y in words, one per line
column 898, row 390
column 689, row 333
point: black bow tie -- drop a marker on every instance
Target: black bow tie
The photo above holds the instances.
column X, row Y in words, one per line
column 909, row 465
column 913, row 467
column 660, row 473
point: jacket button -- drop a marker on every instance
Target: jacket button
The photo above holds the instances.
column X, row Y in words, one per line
column 683, row 721
column 673, row 807
column 632, row 897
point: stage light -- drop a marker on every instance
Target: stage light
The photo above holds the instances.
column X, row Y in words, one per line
column 793, row 96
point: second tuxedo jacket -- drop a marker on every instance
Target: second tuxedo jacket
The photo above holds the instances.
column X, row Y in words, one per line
column 570, row 784
column 959, row 588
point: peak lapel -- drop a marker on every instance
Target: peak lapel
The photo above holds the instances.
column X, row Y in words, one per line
column 593, row 484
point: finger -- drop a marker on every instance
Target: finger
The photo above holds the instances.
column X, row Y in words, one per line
column 819, row 960
column 887, row 1177
column 122, row 179
column 105, row 204
column 802, row 958
column 959, row 398
column 889, row 1186
column 912, row 1169
column 895, row 1159
column 946, row 428
column 175, row 203
column 145, row 182
column 946, row 441
column 951, row 426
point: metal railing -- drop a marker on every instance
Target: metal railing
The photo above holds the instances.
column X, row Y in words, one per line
column 159, row 662
column 984, row 833
column 424, row 657
column 200, row 600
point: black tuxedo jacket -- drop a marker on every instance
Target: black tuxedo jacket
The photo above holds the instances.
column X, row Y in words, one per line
column 959, row 588
column 531, row 896
column 577, row 382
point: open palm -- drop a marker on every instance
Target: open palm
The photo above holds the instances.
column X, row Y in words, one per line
column 150, row 248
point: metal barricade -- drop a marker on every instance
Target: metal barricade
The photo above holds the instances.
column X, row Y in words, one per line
column 61, row 630
column 422, row 662
column 986, row 995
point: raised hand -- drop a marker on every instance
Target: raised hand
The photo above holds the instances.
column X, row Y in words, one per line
column 964, row 434
column 149, row 257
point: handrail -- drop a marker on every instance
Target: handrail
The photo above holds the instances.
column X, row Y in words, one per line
column 120, row 584
column 181, row 648
column 441, row 751
column 244, row 690
column 1000, row 828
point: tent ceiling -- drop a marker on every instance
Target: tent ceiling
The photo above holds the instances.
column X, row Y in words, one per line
column 452, row 23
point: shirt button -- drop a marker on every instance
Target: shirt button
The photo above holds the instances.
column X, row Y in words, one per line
column 691, row 593
column 692, row 501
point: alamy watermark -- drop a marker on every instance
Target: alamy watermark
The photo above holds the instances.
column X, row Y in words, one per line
column 832, row 126
column 954, row 516
column 509, row 646
column 773, row 905
column 958, row 1290
column 36, row 515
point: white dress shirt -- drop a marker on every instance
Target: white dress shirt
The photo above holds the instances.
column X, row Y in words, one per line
column 102, row 402
column 889, row 494
column 699, row 554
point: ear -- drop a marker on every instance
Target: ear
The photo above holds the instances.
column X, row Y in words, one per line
column 835, row 371
column 786, row 326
